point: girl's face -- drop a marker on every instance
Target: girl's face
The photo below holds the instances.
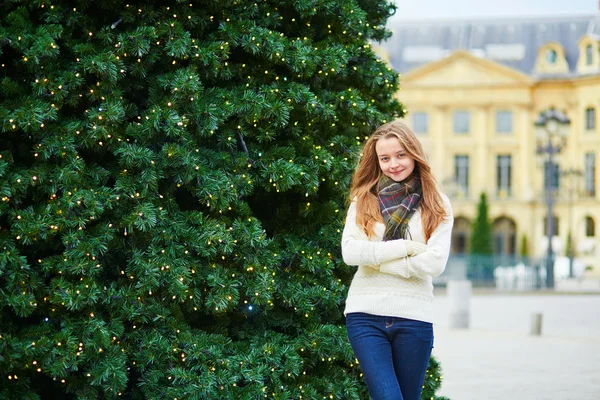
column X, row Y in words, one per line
column 394, row 161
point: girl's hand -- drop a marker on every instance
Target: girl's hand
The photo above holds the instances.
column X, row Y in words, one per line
column 413, row 248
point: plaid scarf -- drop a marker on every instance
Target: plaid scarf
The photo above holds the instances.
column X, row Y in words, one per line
column 398, row 202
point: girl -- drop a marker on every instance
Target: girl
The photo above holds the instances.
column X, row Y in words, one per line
column 397, row 232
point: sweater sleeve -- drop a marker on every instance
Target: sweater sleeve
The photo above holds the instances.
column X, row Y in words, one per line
column 358, row 250
column 433, row 260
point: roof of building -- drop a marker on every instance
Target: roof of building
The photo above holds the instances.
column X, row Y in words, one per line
column 513, row 42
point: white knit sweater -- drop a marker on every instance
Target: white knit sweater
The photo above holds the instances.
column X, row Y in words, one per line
column 387, row 281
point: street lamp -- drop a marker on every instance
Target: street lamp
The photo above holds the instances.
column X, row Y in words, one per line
column 551, row 129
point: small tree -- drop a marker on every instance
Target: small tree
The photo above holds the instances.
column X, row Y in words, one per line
column 481, row 239
column 524, row 253
column 569, row 251
column 480, row 265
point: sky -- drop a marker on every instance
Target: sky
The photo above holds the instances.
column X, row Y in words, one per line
column 450, row 9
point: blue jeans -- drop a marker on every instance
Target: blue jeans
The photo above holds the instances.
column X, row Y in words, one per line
column 393, row 354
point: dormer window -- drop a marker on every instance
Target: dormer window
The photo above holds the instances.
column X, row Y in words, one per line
column 551, row 59
column 551, row 56
column 589, row 54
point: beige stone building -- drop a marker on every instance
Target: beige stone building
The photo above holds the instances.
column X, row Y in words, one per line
column 473, row 90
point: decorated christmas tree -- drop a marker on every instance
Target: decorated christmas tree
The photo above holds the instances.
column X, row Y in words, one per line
column 173, row 182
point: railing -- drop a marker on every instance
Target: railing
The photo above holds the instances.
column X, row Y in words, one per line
column 503, row 272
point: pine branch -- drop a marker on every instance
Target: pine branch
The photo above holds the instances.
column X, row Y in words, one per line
column 242, row 142
column 245, row 148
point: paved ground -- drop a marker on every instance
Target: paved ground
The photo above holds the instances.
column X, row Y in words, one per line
column 497, row 358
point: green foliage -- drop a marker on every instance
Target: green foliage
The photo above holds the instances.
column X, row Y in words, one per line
column 524, row 252
column 481, row 264
column 172, row 186
column 569, row 248
column 481, row 237
column 433, row 381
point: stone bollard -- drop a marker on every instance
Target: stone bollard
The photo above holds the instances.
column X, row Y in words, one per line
column 536, row 324
column 459, row 293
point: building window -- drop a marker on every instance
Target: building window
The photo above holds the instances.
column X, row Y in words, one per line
column 504, row 122
column 461, row 122
column 551, row 175
column 589, row 51
column 554, row 226
column 589, row 174
column 461, row 232
column 590, row 118
column 420, row 121
column 461, row 173
column 504, row 236
column 503, row 174
column 551, row 56
column 590, row 227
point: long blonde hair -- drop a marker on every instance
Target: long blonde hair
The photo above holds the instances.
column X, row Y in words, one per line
column 368, row 172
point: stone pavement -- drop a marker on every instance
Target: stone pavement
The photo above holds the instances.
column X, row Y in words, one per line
column 497, row 358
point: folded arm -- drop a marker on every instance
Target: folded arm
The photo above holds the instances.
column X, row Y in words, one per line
column 358, row 250
column 433, row 260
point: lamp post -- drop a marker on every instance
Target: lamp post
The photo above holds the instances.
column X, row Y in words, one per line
column 551, row 132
